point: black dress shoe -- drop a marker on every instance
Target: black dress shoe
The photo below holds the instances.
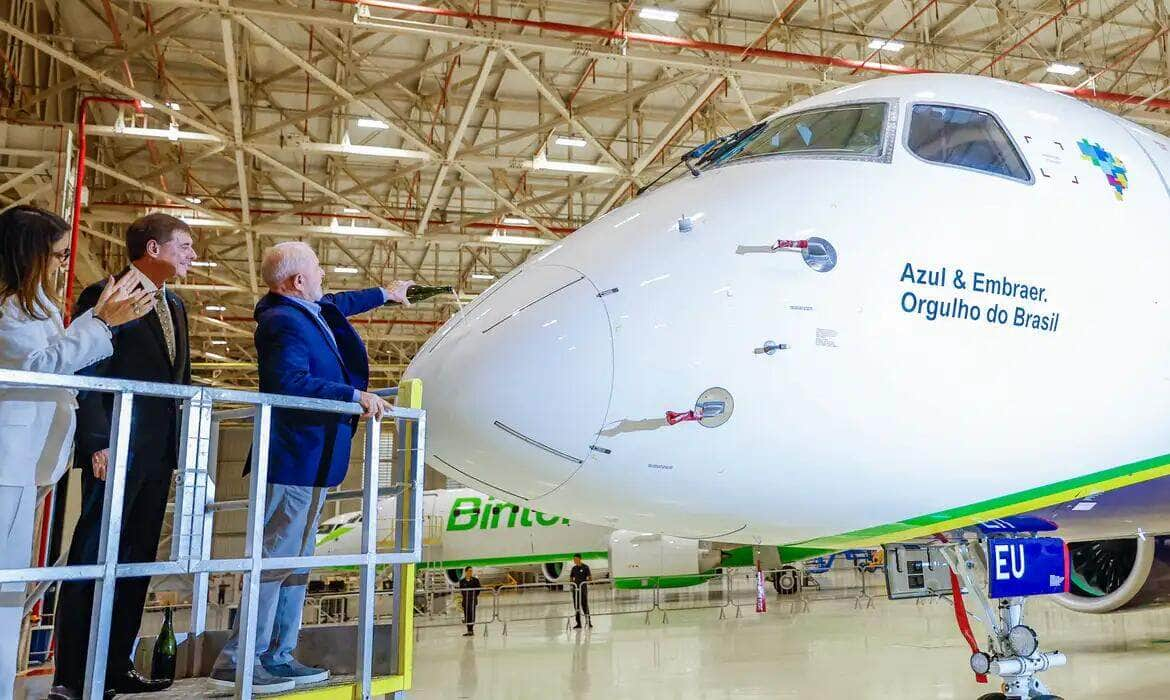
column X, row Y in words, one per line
column 65, row 692
column 134, row 682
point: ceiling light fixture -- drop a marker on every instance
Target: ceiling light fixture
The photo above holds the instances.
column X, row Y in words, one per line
column 482, row 276
column 541, row 162
column 204, row 263
column 503, row 239
column 346, row 270
column 657, row 13
column 516, row 221
column 886, row 45
column 571, row 141
column 1064, row 69
column 370, row 123
column 214, row 309
column 219, row 342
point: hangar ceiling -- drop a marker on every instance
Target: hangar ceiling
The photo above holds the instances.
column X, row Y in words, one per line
column 447, row 141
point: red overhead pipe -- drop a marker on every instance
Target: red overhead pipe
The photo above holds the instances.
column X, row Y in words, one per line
column 910, row 21
column 635, row 37
column 1102, row 96
column 1064, row 11
column 327, row 215
column 80, row 179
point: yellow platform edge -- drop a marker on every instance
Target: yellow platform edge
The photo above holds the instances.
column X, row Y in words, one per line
column 409, row 396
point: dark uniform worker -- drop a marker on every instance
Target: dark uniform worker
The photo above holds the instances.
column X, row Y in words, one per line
column 580, row 575
column 469, row 585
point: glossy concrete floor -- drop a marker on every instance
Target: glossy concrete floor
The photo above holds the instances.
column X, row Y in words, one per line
column 832, row 651
column 893, row 650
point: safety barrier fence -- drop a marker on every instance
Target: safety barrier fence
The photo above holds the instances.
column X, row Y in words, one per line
column 800, row 586
column 722, row 590
column 195, row 510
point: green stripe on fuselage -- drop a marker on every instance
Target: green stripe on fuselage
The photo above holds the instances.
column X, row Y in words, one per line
column 504, row 561
column 982, row 511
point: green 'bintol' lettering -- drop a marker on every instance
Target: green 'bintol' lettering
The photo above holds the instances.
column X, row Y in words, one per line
column 546, row 520
column 470, row 513
column 464, row 514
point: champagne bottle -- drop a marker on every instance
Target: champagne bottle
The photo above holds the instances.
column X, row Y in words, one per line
column 419, row 293
column 162, row 664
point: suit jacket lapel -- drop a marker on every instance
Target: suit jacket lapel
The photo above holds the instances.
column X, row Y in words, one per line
column 335, row 342
column 179, row 324
column 331, row 342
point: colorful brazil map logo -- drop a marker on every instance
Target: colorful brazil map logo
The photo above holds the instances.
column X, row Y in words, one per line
column 1109, row 164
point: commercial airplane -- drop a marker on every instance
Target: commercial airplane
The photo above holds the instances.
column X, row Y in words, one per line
column 462, row 527
column 887, row 312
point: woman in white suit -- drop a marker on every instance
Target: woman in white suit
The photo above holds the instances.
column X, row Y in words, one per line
column 37, row 423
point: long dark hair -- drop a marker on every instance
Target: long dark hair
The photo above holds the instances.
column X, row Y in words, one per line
column 27, row 235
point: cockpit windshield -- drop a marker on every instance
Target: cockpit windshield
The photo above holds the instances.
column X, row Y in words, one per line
column 853, row 130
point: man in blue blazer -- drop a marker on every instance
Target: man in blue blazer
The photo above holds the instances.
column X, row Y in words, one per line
column 305, row 347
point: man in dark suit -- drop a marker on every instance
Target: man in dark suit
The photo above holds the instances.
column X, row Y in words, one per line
column 470, row 588
column 305, row 346
column 153, row 349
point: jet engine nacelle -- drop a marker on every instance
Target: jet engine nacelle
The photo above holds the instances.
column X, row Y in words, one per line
column 641, row 560
column 553, row 571
column 1110, row 575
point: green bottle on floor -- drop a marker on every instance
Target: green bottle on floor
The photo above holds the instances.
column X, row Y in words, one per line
column 162, row 664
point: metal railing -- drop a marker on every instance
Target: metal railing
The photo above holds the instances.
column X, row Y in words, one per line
column 195, row 510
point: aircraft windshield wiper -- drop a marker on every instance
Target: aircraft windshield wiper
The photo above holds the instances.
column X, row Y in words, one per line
column 705, row 154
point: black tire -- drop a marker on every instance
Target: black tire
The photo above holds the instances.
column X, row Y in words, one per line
column 786, row 581
column 993, row 696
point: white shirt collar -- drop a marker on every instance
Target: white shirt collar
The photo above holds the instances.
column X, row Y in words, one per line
column 147, row 283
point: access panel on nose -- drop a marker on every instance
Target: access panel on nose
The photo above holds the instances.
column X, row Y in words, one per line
column 543, row 353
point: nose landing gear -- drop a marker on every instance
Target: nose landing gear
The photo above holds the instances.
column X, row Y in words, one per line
column 1013, row 651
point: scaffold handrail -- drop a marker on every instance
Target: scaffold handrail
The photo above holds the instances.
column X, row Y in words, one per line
column 195, row 508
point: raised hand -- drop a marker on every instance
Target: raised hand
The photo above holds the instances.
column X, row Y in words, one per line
column 122, row 301
column 397, row 292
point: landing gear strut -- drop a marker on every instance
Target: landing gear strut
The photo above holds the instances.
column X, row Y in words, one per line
column 1013, row 651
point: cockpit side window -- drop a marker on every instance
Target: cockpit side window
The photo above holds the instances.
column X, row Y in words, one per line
column 964, row 138
column 848, row 130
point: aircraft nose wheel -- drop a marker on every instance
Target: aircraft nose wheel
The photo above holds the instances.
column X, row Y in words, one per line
column 1013, row 652
column 1001, row 696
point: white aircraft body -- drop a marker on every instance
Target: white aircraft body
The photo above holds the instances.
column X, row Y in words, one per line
column 892, row 310
column 552, row 387
column 465, row 528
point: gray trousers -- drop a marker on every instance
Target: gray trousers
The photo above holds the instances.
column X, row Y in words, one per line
column 17, row 506
column 291, row 515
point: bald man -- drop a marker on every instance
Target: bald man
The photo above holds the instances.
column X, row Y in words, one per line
column 305, row 347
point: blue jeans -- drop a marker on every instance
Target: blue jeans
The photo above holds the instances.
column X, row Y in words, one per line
column 291, row 515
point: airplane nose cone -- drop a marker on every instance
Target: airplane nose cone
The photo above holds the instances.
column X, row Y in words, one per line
column 517, row 386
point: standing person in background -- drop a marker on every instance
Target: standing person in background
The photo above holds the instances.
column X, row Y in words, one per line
column 470, row 587
column 305, row 347
column 580, row 575
column 37, row 423
column 155, row 349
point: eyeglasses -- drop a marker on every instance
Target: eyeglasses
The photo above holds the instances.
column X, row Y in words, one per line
column 62, row 255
